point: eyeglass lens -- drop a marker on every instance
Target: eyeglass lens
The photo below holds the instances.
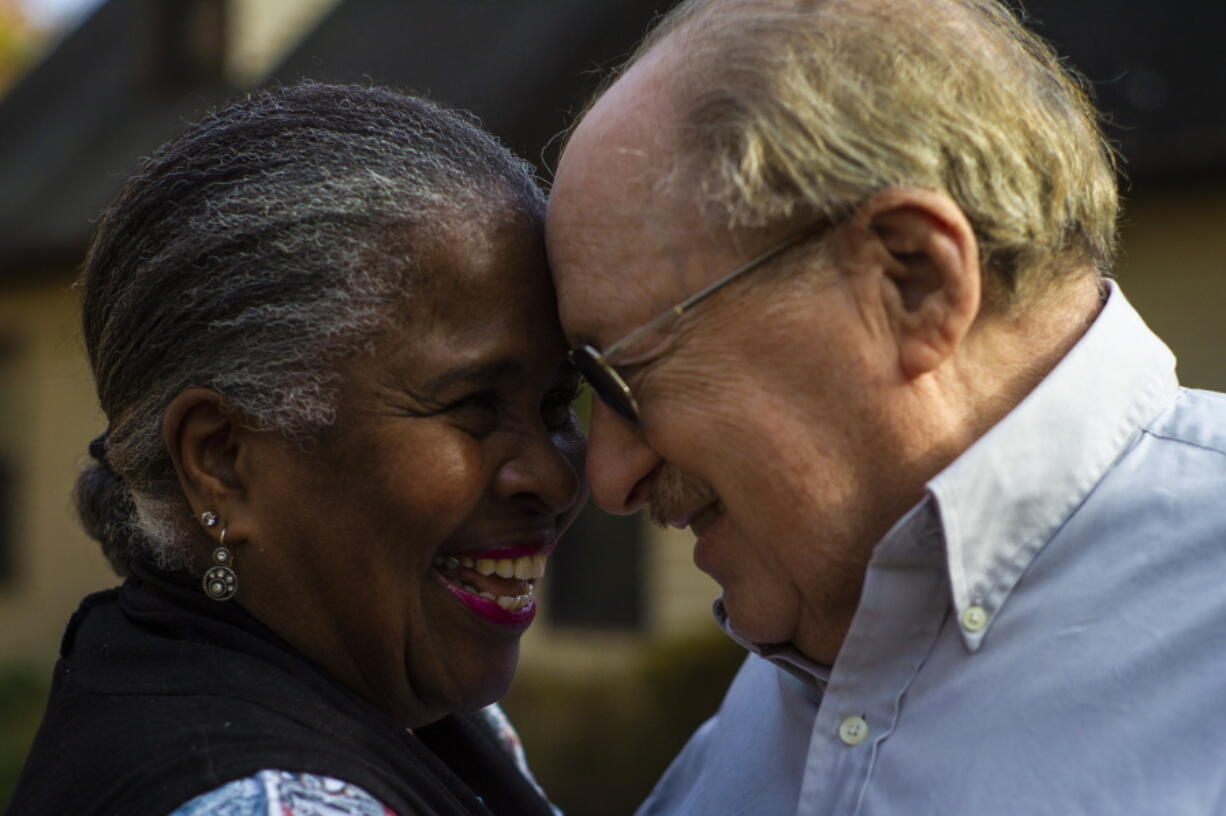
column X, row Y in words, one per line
column 605, row 382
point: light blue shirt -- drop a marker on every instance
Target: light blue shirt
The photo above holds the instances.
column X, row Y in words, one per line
column 1045, row 633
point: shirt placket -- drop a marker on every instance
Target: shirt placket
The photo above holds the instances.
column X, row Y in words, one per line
column 904, row 604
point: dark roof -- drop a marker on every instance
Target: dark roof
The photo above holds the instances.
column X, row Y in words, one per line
column 75, row 127
column 523, row 67
column 1158, row 71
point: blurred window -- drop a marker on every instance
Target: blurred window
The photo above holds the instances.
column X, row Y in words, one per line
column 596, row 575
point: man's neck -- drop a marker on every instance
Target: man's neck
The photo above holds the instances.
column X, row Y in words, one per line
column 1007, row 356
column 1003, row 359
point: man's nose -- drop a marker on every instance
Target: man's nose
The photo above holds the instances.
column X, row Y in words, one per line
column 620, row 464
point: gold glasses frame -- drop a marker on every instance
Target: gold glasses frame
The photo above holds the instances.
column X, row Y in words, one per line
column 595, row 365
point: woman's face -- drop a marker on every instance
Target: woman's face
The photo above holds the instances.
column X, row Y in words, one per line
column 400, row 551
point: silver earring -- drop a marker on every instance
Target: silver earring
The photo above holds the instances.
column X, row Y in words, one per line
column 220, row 583
column 208, row 518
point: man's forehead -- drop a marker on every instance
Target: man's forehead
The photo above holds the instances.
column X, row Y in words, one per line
column 607, row 276
column 626, row 142
column 612, row 221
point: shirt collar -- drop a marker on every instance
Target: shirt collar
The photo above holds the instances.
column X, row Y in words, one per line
column 997, row 504
column 812, row 675
column 1006, row 495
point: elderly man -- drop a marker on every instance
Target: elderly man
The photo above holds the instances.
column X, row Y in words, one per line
column 837, row 271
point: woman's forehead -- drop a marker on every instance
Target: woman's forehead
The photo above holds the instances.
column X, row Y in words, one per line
column 484, row 299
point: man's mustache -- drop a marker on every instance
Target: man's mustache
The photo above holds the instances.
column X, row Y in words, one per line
column 673, row 492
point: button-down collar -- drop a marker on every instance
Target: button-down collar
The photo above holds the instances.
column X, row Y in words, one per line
column 1043, row 456
column 1046, row 458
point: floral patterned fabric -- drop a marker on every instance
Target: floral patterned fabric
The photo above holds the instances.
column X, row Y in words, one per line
column 278, row 793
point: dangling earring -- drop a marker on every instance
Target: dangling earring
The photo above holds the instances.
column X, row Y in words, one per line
column 220, row 583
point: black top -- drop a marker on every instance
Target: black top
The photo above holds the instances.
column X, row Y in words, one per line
column 161, row 695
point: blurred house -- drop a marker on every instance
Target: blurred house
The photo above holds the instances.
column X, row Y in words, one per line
column 131, row 74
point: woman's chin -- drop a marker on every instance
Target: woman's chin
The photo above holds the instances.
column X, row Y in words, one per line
column 489, row 682
column 474, row 676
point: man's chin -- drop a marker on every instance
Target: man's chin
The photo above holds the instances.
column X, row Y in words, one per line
column 753, row 625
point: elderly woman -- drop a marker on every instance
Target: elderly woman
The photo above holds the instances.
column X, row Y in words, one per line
column 340, row 448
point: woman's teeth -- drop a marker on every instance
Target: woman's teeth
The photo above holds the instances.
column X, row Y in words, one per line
column 509, row 602
column 524, row 568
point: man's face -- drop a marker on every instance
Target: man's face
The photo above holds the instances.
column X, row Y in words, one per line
column 758, row 427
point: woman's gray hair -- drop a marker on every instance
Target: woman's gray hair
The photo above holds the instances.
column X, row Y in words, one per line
column 250, row 256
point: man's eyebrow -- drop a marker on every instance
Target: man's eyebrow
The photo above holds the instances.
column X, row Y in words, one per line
column 480, row 373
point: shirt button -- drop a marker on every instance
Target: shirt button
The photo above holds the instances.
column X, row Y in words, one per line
column 853, row 730
column 974, row 618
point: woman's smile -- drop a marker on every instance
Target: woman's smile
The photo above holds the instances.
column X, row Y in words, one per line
column 429, row 509
column 497, row 585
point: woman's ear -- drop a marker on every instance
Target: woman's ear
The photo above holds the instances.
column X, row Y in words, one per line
column 931, row 281
column 203, row 438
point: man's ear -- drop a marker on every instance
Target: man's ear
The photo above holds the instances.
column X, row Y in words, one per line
column 931, row 284
column 203, row 437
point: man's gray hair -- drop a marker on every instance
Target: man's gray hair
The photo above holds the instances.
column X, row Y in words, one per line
column 791, row 108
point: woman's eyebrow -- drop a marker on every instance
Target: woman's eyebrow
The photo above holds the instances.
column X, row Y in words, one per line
column 482, row 373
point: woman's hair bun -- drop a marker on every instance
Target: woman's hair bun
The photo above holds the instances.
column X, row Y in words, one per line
column 105, row 508
column 97, row 449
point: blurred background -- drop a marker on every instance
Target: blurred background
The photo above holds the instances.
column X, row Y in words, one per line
column 626, row 660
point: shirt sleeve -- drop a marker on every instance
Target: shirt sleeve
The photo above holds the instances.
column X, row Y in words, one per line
column 281, row 793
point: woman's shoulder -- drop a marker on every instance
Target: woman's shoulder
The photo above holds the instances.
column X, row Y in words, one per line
column 281, row 793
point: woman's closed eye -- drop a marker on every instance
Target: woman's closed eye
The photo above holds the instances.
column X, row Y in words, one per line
column 477, row 413
column 558, row 409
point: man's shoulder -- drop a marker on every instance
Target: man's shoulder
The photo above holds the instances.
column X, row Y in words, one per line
column 1196, row 420
column 1166, row 487
column 749, row 757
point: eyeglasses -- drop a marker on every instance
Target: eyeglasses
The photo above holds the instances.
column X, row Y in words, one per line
column 594, row 364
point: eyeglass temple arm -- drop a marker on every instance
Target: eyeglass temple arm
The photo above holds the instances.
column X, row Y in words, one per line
column 684, row 306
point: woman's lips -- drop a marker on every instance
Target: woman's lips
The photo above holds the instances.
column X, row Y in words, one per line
column 498, row 584
column 517, row 614
column 513, row 551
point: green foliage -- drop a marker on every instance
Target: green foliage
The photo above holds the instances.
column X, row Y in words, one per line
column 598, row 742
column 23, row 697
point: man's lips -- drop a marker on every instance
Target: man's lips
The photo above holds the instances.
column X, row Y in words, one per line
column 698, row 518
column 706, row 517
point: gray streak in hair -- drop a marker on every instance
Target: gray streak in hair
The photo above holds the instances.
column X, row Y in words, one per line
column 250, row 256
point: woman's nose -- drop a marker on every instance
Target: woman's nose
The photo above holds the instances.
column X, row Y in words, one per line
column 548, row 468
column 619, row 462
